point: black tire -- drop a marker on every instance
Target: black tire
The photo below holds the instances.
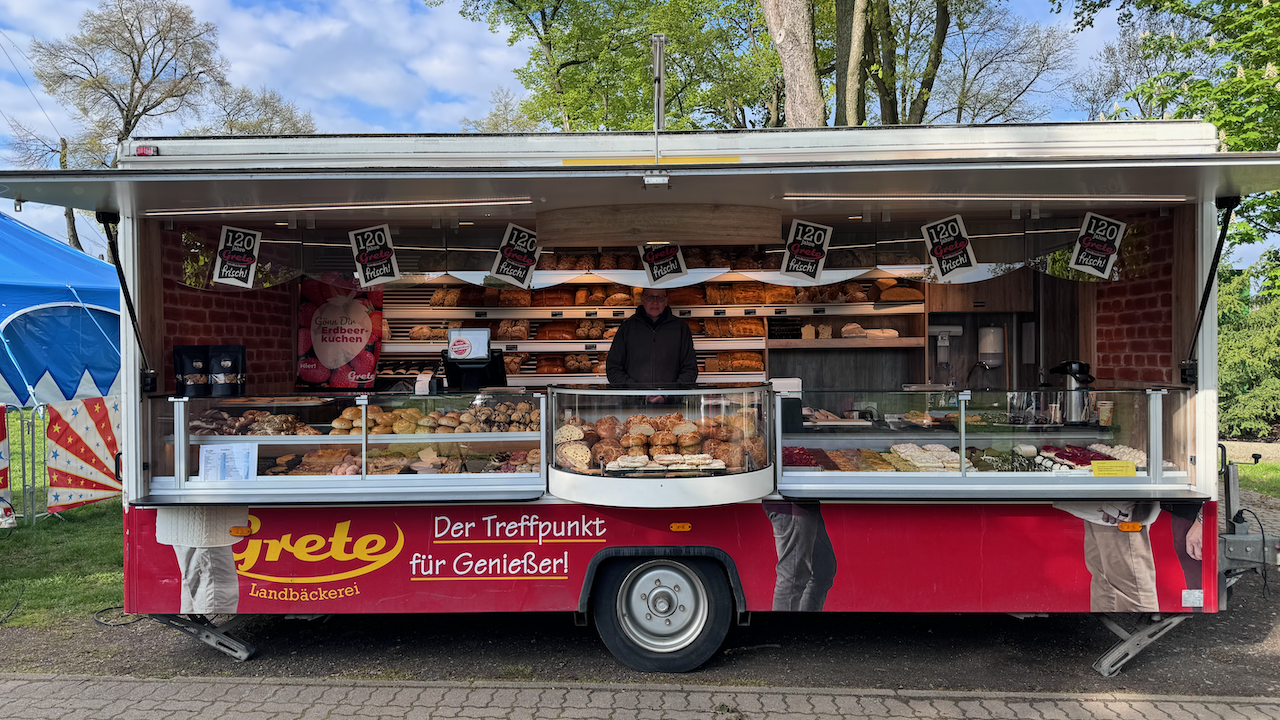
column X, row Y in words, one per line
column 675, row 629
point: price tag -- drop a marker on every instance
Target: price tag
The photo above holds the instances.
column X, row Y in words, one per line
column 1113, row 468
column 589, row 346
column 591, row 313
column 949, row 247
column 517, row 256
column 779, row 311
column 511, row 348
column 662, row 263
column 684, row 313
column 619, row 313
column 482, row 313
column 806, row 252
column 749, row 311
column 718, row 313
column 375, row 255
column 557, row 313
column 1097, row 245
column 237, row 260
column 819, row 311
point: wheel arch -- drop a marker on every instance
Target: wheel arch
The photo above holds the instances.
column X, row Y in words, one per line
column 658, row 551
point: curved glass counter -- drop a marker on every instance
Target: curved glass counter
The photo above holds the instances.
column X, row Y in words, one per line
column 686, row 447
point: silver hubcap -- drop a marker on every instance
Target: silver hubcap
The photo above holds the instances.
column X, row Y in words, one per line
column 662, row 606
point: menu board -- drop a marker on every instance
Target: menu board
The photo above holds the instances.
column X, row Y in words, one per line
column 1098, row 245
column 806, row 251
column 517, row 256
column 662, row 263
column 375, row 255
column 950, row 249
column 237, row 260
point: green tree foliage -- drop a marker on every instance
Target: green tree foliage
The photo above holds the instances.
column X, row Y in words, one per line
column 589, row 68
column 1249, row 349
column 240, row 111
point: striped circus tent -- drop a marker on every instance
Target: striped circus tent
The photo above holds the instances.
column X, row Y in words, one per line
column 80, row 451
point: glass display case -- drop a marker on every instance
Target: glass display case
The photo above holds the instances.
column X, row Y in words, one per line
column 368, row 448
column 690, row 447
column 1049, row 444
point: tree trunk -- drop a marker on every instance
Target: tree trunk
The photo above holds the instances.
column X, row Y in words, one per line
column 851, row 32
column 941, row 23
column 555, row 85
column 790, row 25
column 73, row 238
column 887, row 79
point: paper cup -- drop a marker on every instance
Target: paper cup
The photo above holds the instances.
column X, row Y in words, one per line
column 1106, row 409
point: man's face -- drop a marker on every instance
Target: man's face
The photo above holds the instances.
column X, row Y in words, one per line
column 654, row 302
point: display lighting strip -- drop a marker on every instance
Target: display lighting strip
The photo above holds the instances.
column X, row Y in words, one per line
column 477, row 202
column 819, row 197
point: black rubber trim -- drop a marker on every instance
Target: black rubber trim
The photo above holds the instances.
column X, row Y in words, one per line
column 659, row 551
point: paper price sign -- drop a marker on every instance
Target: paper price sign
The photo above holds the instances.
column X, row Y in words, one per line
column 375, row 255
column 237, row 259
column 662, row 263
column 949, row 247
column 517, row 256
column 806, row 251
column 1098, row 245
column 1113, row 468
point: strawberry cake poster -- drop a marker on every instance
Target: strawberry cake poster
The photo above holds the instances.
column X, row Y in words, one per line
column 339, row 333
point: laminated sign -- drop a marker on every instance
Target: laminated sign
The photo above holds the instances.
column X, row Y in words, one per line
column 662, row 263
column 340, row 332
column 806, row 250
column 517, row 256
column 375, row 256
column 950, row 250
column 237, row 259
column 1098, row 245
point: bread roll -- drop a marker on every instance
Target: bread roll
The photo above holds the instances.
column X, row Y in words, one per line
column 606, row 451
column 690, row 438
column 691, row 449
column 609, row 428
column 656, row 450
column 638, row 450
column 663, row 437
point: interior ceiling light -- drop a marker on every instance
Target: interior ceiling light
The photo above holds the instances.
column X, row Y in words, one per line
column 824, row 197
column 408, row 205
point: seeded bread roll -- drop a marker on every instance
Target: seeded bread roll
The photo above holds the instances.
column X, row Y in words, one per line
column 756, row 449
column 690, row 438
column 633, row 440
column 691, row 449
column 657, row 450
column 663, row 437
column 731, row 454
column 684, row 427
column 638, row 450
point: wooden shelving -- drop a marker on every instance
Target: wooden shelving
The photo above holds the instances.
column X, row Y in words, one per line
column 838, row 343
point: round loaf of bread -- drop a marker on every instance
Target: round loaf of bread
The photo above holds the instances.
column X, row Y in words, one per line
column 731, row 454
column 657, row 450
column 755, row 447
column 351, row 413
column 342, row 424
column 663, row 437
column 690, row 438
column 609, row 428
column 638, row 450
column 448, row 422
column 691, row 449
column 633, row 440
column 710, row 445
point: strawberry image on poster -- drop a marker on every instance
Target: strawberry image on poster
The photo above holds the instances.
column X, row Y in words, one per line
column 339, row 334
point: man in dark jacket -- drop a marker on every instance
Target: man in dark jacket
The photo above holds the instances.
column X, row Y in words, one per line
column 652, row 346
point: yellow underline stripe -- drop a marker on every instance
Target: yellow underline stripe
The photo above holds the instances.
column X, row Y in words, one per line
column 504, row 577
column 705, row 160
column 496, row 542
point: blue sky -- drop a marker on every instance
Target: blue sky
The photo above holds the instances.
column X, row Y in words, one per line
column 359, row 66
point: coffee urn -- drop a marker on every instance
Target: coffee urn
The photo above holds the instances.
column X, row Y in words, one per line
column 1075, row 410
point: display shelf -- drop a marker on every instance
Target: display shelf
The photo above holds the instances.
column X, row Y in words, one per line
column 405, row 347
column 844, row 343
column 542, row 380
column 378, row 439
column 491, row 437
column 422, row 311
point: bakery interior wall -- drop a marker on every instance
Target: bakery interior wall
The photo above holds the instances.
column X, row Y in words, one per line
column 262, row 320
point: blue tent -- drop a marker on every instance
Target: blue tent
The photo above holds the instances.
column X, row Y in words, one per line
column 59, row 320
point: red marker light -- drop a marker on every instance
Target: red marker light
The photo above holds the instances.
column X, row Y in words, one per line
column 146, row 151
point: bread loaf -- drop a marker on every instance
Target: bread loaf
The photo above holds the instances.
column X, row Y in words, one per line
column 609, row 427
column 748, row 293
column 558, row 330
column 899, row 293
column 618, row 299
column 580, row 296
column 852, row 330
column 779, row 295
column 690, row 295
column 886, row 283
column 546, row 261
column 492, row 296
column 695, row 325
column 596, row 295
column 553, row 297
column 745, row 260
column 514, row 297
column 824, row 332
column 746, row 327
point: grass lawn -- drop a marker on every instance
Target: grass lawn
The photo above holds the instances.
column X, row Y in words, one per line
column 18, row 464
column 63, row 568
column 1263, row 477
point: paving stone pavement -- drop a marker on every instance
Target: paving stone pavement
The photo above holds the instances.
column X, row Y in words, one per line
column 29, row 696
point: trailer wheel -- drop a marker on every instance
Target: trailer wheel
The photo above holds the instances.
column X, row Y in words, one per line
column 662, row 615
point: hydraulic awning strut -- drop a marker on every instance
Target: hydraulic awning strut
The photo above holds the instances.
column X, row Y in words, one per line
column 1190, row 367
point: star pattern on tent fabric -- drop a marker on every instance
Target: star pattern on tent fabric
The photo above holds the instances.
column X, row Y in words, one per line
column 54, row 454
column 75, row 412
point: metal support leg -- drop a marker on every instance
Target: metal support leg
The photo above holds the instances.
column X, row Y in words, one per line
column 1150, row 629
column 202, row 628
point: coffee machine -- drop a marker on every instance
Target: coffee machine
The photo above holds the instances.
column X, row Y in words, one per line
column 1075, row 410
